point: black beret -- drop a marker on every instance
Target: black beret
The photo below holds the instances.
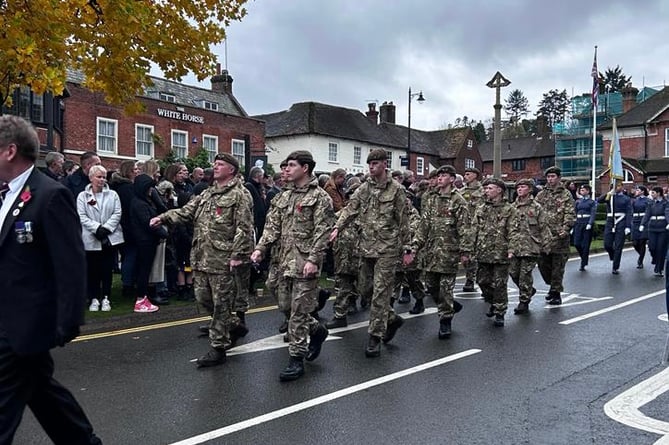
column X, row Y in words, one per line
column 227, row 157
column 553, row 169
column 447, row 169
column 377, row 155
column 498, row 182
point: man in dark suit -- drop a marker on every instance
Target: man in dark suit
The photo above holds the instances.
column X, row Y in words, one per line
column 42, row 270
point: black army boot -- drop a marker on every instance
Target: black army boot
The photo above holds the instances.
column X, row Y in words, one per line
column 323, row 297
column 499, row 321
column 215, row 356
column 373, row 348
column 491, row 311
column 418, row 307
column 293, row 371
column 392, row 327
column 522, row 308
column 444, row 328
column 242, row 317
column 236, row 333
column 316, row 342
column 556, row 299
column 469, row 286
column 337, row 322
column 204, row 330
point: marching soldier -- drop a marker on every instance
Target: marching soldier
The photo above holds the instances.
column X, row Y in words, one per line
column 380, row 207
column 618, row 224
column 655, row 220
column 492, row 220
column 444, row 237
column 301, row 223
column 586, row 211
column 639, row 237
column 560, row 215
column 473, row 194
column 531, row 235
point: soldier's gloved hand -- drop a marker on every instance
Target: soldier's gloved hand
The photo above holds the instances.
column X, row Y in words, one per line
column 588, row 227
column 641, row 228
column 627, row 230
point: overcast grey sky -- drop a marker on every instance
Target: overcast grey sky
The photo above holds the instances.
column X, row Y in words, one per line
column 348, row 52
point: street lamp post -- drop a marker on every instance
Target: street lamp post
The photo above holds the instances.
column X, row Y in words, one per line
column 420, row 99
column 498, row 81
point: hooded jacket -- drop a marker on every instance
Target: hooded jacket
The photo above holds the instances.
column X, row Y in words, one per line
column 142, row 210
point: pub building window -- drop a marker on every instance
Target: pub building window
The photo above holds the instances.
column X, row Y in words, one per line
column 144, row 141
column 107, row 135
column 210, row 144
column 180, row 144
column 238, row 150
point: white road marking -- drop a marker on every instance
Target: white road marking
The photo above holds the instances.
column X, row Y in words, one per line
column 624, row 408
column 583, row 300
column 612, row 308
column 215, row 434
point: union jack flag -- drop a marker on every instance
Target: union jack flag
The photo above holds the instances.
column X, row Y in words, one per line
column 595, row 82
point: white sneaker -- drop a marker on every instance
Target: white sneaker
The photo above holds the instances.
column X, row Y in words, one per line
column 106, row 306
column 95, row 305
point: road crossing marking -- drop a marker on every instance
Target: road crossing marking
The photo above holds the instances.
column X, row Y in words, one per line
column 582, row 300
column 612, row 308
column 624, row 408
column 277, row 414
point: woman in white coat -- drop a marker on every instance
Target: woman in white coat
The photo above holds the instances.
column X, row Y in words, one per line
column 99, row 210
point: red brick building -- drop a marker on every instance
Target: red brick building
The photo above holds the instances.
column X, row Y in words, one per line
column 177, row 117
column 522, row 157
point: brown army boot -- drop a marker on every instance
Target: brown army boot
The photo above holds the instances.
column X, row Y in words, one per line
column 373, row 346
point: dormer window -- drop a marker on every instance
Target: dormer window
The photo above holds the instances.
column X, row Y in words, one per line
column 213, row 106
column 167, row 97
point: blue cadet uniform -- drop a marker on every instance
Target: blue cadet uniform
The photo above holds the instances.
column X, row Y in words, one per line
column 618, row 225
column 586, row 210
column 639, row 237
column 655, row 222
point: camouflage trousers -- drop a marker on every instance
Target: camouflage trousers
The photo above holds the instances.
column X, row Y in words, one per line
column 551, row 267
column 492, row 279
column 278, row 288
column 303, row 301
column 520, row 271
column 441, row 287
column 470, row 270
column 242, row 282
column 410, row 278
column 215, row 293
column 345, row 294
column 383, row 272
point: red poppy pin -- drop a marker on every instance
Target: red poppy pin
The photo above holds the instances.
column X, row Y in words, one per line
column 219, row 210
column 92, row 201
column 299, row 207
column 25, row 196
column 530, row 213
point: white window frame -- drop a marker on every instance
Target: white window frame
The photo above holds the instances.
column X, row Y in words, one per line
column 470, row 163
column 208, row 105
column 149, row 142
column 470, row 143
column 389, row 158
column 235, row 150
column 113, row 138
column 420, row 165
column 357, row 155
column 628, row 176
column 333, row 148
column 177, row 148
column 167, row 97
column 211, row 153
column 666, row 142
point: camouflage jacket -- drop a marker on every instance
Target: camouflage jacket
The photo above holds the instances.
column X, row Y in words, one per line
column 493, row 231
column 380, row 210
column 558, row 205
column 445, row 232
column 473, row 194
column 223, row 227
column 530, row 234
column 301, row 222
column 345, row 248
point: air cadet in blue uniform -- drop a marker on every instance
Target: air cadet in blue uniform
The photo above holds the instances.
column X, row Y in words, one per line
column 639, row 237
column 655, row 220
column 618, row 224
column 586, row 210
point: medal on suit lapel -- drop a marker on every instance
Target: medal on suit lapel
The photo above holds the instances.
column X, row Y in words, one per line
column 20, row 230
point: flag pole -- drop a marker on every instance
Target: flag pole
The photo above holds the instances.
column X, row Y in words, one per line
column 595, row 84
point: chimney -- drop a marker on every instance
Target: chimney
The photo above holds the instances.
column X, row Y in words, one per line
column 387, row 110
column 222, row 82
column 629, row 97
column 372, row 114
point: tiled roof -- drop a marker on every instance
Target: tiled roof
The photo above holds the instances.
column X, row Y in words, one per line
column 186, row 95
column 643, row 112
column 346, row 123
column 519, row 148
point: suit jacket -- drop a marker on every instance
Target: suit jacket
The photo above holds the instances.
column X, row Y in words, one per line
column 44, row 281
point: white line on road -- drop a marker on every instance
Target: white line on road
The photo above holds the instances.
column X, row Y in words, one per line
column 612, row 308
column 577, row 303
column 624, row 408
column 322, row 399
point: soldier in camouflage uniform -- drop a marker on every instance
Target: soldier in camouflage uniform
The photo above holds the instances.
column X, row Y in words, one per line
column 410, row 273
column 531, row 235
column 445, row 236
column 473, row 194
column 222, row 223
column 301, row 222
column 379, row 206
column 558, row 204
column 243, row 271
column 493, row 218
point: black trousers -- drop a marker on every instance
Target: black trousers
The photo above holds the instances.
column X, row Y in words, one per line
column 100, row 270
column 29, row 381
